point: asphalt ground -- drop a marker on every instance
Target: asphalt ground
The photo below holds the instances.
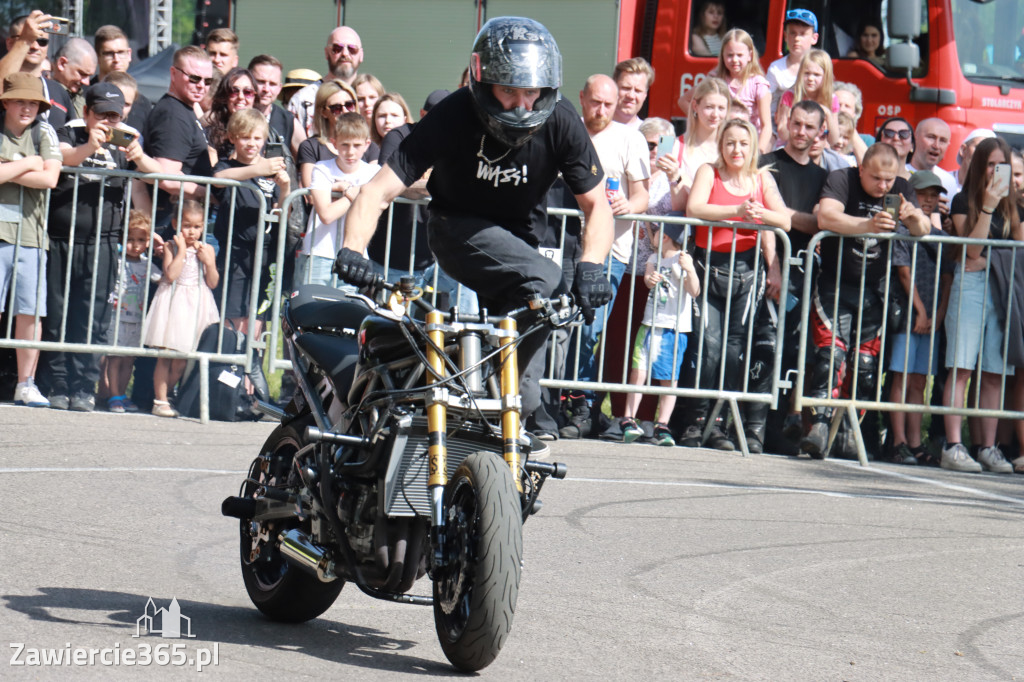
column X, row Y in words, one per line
column 663, row 563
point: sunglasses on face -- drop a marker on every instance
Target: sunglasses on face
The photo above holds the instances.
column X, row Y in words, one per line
column 338, row 48
column 248, row 93
column 891, row 134
column 337, row 109
column 42, row 42
column 652, row 145
column 194, row 79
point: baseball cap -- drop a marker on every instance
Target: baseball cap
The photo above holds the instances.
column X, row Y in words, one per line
column 673, row 231
column 923, row 179
column 973, row 135
column 25, row 86
column 804, row 16
column 104, row 98
column 433, row 98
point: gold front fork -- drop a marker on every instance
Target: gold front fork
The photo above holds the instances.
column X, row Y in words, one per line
column 436, row 408
column 510, row 400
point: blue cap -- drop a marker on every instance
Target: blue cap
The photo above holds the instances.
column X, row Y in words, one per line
column 804, row 16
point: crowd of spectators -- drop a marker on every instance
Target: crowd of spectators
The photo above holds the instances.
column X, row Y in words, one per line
column 777, row 148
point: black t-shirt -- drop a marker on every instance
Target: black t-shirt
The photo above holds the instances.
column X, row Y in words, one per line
column 404, row 216
column 63, row 200
column 282, row 123
column 313, row 150
column 141, row 109
column 173, row 132
column 475, row 174
column 959, row 206
column 247, row 210
column 844, row 186
column 61, row 109
column 800, row 186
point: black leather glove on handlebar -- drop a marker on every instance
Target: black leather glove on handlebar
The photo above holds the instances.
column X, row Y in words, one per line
column 351, row 267
column 592, row 289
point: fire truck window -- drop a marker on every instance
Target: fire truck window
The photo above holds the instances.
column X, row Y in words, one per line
column 711, row 19
column 989, row 39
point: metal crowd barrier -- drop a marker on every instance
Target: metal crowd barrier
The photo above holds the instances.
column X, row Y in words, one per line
column 92, row 345
column 848, row 406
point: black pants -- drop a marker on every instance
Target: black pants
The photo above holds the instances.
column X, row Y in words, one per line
column 741, row 289
column 504, row 271
column 70, row 373
column 844, row 305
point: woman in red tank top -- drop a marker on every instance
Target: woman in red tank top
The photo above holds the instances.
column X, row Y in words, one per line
column 733, row 189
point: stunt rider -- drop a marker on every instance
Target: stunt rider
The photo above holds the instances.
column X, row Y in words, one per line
column 496, row 147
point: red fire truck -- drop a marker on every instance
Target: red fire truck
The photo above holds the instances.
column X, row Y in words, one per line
column 969, row 72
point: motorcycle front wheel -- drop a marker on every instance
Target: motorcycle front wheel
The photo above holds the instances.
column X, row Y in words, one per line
column 475, row 593
column 279, row 590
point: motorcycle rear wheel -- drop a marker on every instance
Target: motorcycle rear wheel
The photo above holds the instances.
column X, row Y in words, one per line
column 475, row 594
column 279, row 590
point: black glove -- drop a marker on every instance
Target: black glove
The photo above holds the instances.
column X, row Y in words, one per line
column 351, row 267
column 592, row 288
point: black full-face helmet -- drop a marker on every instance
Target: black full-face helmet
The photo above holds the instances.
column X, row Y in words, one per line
column 519, row 53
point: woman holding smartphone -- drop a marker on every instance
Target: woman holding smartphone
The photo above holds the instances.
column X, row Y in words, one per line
column 986, row 208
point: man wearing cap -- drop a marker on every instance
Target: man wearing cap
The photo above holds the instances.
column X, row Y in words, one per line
column 87, row 246
column 29, row 165
column 966, row 151
column 801, row 33
column 344, row 54
column 924, row 318
column 173, row 135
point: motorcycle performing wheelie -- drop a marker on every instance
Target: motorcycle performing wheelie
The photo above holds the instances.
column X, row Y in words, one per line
column 401, row 456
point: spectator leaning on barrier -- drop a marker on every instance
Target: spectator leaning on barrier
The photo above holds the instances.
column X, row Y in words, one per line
column 173, row 135
column 344, row 54
column 485, row 223
column 733, row 189
column 911, row 352
column 29, row 165
column 634, row 78
column 83, row 251
column 852, row 204
column 800, row 182
column 986, row 208
column 114, row 55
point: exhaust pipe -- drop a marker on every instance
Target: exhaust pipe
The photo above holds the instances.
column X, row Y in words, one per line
column 299, row 550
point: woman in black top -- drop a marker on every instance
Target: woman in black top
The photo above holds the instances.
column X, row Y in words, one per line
column 237, row 91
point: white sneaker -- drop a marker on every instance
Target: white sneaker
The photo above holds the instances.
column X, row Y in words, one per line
column 956, row 458
column 27, row 394
column 992, row 459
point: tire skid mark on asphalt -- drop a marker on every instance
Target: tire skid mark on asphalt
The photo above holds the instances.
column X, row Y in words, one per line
column 935, row 482
column 979, row 630
column 815, row 491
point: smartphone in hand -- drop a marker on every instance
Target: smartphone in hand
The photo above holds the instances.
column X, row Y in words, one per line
column 891, row 205
column 1002, row 174
column 665, row 145
column 273, row 150
column 57, row 26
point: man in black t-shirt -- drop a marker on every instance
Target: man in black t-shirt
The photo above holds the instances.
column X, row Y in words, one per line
column 800, row 181
column 86, row 247
column 174, row 136
column 852, row 203
column 496, row 147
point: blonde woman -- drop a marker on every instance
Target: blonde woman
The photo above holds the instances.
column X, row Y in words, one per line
column 709, row 107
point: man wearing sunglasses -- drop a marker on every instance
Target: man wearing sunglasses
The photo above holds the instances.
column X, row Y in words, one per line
column 27, row 45
column 344, row 52
column 173, row 135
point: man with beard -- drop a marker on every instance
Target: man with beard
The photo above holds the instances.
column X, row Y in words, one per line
column 634, row 78
column 625, row 158
column 800, row 181
column 344, row 54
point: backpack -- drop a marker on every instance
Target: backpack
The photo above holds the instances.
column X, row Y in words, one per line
column 229, row 401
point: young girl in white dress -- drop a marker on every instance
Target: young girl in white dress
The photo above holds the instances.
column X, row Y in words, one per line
column 183, row 305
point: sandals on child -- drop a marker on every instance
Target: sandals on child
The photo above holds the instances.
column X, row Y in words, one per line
column 162, row 408
column 115, row 404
